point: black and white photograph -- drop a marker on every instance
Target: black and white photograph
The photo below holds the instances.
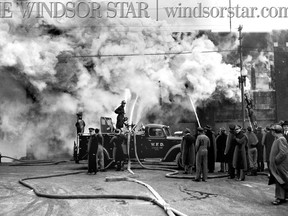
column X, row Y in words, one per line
column 136, row 108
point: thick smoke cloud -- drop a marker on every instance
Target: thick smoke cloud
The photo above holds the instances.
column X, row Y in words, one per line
column 52, row 69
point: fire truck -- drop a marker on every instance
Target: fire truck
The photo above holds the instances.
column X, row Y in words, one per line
column 152, row 141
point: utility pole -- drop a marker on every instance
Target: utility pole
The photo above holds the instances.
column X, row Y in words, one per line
column 241, row 78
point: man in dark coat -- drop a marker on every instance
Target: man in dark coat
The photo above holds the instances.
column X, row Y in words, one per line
column 188, row 151
column 118, row 154
column 92, row 152
column 220, row 146
column 279, row 165
column 260, row 150
column 229, row 151
column 267, row 141
column 211, row 149
column 239, row 157
column 285, row 129
column 120, row 117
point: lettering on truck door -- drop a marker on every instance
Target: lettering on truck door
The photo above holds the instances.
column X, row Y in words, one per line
column 156, row 140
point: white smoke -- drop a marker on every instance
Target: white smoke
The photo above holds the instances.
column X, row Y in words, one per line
column 84, row 67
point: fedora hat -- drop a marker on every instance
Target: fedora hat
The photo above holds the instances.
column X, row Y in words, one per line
column 200, row 129
column 277, row 128
column 208, row 127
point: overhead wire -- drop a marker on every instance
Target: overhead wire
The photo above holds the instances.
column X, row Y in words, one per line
column 170, row 53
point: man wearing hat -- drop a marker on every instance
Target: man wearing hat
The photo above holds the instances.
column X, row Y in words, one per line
column 267, row 141
column 220, row 146
column 279, row 165
column 188, row 151
column 285, row 129
column 229, row 150
column 118, row 154
column 121, row 112
column 239, row 157
column 92, row 152
column 260, row 149
column 211, row 149
column 202, row 143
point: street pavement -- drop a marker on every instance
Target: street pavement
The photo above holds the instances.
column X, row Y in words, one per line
column 218, row 196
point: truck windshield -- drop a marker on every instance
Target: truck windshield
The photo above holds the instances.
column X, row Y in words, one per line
column 167, row 131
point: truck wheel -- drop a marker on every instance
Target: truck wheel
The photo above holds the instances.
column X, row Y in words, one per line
column 179, row 161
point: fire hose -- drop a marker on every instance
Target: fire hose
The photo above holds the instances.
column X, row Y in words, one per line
column 158, row 200
column 32, row 162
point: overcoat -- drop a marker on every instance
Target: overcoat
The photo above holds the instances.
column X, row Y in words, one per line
column 188, row 149
column 239, row 157
column 279, row 160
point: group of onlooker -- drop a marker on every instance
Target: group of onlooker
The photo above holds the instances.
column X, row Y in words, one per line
column 242, row 151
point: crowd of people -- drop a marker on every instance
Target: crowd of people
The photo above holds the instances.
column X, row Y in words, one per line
column 240, row 152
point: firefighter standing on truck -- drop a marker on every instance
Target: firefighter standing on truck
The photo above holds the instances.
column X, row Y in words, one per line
column 121, row 112
column 80, row 124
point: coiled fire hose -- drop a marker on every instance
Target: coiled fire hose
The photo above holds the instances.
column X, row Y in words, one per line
column 157, row 200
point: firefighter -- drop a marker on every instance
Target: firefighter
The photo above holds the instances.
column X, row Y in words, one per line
column 201, row 146
column 118, row 154
column 92, row 152
column 121, row 112
column 80, row 124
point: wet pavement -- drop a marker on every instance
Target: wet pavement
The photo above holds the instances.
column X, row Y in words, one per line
column 218, row 196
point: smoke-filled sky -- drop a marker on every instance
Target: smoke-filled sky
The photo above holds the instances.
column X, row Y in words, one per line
column 52, row 69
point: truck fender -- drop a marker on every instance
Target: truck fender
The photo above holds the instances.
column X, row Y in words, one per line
column 172, row 153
